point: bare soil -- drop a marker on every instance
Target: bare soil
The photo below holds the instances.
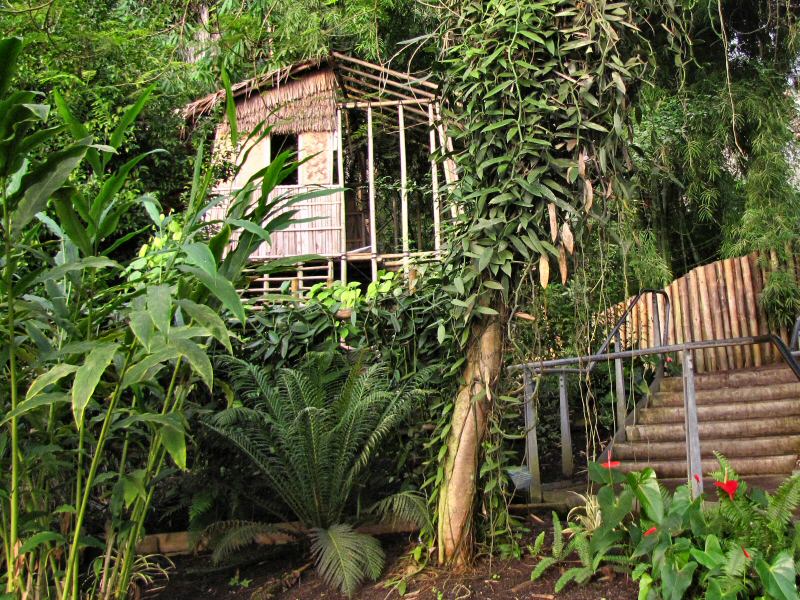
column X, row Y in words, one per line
column 283, row 573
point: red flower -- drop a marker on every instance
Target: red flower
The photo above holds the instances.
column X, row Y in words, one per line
column 729, row 487
column 697, row 478
column 610, row 464
column 746, row 553
column 650, row 531
column 669, row 359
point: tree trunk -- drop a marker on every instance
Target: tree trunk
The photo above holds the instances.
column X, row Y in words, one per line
column 470, row 416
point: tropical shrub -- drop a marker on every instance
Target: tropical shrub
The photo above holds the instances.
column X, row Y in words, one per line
column 100, row 357
column 311, row 433
column 744, row 545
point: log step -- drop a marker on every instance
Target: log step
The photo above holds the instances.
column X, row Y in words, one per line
column 763, row 465
column 731, row 448
column 726, row 395
column 734, row 429
column 720, row 412
column 768, row 375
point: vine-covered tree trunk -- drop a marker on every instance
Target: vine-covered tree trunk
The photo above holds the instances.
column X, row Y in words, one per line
column 470, row 415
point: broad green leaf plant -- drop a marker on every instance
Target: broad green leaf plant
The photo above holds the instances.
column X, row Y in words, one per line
column 100, row 356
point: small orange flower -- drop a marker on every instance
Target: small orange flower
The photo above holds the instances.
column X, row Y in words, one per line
column 746, row 553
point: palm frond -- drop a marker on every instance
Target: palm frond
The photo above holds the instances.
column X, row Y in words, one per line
column 406, row 506
column 227, row 537
column 345, row 558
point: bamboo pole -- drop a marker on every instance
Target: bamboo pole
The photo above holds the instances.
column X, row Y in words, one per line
column 450, row 174
column 373, row 229
column 677, row 313
column 342, row 199
column 696, row 319
column 706, row 322
column 722, row 296
column 437, row 233
column 730, row 302
column 750, row 308
column 741, row 311
column 683, row 291
column 717, row 319
column 635, row 326
column 403, row 188
column 758, row 289
column 387, row 81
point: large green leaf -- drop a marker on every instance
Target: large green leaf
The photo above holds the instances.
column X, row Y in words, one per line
column 9, row 53
column 41, row 183
column 37, row 539
column 197, row 358
column 779, row 578
column 159, row 305
column 221, row 288
column 78, row 131
column 174, row 440
column 90, row 262
column 207, row 318
column 88, row 376
column 55, row 374
column 129, row 117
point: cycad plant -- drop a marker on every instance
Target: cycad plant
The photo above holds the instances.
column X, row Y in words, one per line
column 312, row 432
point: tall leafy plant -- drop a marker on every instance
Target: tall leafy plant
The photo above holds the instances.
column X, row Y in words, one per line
column 100, row 357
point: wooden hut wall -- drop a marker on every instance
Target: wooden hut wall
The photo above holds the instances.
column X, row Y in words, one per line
column 715, row 301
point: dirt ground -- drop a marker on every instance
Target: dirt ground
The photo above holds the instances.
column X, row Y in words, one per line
column 282, row 573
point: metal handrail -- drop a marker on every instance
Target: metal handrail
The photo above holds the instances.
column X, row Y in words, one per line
column 543, row 367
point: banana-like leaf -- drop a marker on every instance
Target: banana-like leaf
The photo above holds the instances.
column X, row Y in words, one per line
column 88, row 376
column 9, row 53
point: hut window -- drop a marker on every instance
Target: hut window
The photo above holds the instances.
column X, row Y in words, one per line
column 284, row 143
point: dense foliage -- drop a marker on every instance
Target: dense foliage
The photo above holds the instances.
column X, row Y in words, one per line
column 745, row 545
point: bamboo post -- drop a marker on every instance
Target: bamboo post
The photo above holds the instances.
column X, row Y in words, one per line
column 697, row 320
column 706, row 320
column 450, row 175
column 694, row 464
column 342, row 199
column 437, row 233
column 657, row 338
column 716, row 313
column 373, row 229
column 403, row 187
column 683, row 291
column 750, row 307
column 619, row 384
column 759, row 281
column 722, row 301
column 741, row 311
column 567, row 466
column 729, row 279
column 677, row 312
column 531, row 442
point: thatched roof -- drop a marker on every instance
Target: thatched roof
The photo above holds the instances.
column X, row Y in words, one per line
column 303, row 97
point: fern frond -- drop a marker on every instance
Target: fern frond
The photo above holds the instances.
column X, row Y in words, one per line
column 345, row 558
column 579, row 575
column 784, row 501
column 542, row 566
column 405, row 506
column 227, row 537
column 558, row 537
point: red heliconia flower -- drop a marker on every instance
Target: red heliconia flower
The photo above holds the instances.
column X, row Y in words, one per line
column 697, row 478
column 650, row 531
column 610, row 464
column 729, row 487
column 746, row 553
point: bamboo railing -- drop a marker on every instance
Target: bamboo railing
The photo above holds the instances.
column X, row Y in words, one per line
column 720, row 300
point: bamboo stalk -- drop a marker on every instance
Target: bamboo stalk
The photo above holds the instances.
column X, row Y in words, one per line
column 373, row 233
column 722, row 298
column 741, row 310
column 706, row 319
column 388, row 71
column 403, row 189
column 730, row 301
column 750, row 307
column 759, row 279
column 717, row 324
column 437, row 233
column 342, row 199
column 387, row 81
column 686, row 308
column 677, row 313
column 696, row 319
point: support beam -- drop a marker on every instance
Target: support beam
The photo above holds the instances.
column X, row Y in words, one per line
column 567, row 465
column 450, row 173
column 342, row 207
column 437, row 233
column 619, row 381
column 403, row 188
column 694, row 465
column 406, row 76
column 373, row 229
column 531, row 442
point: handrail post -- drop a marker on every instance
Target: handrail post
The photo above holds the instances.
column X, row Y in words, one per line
column 531, row 443
column 658, row 341
column 619, row 381
column 694, row 464
column 567, row 466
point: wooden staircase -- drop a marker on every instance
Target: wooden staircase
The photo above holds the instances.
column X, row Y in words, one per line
column 752, row 416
